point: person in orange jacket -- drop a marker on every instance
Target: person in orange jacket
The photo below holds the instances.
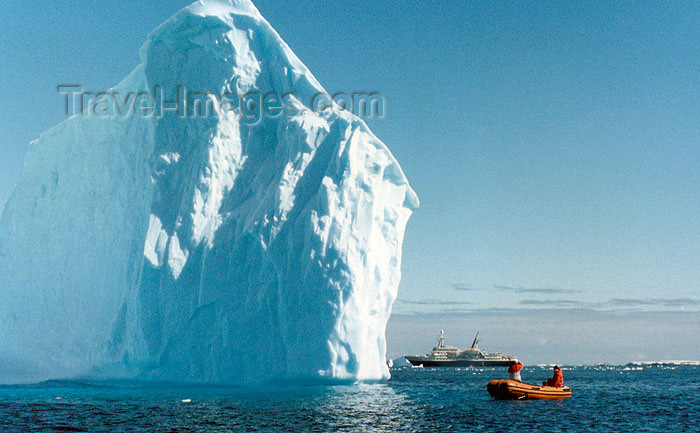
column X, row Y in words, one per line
column 557, row 380
column 514, row 371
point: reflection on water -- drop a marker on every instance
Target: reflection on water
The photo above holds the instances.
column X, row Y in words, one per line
column 364, row 408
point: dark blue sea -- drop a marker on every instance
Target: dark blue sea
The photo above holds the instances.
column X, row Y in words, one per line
column 605, row 399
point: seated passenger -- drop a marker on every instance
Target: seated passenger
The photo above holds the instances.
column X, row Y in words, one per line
column 557, row 380
column 514, row 371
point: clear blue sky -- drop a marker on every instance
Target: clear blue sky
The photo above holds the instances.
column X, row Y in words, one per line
column 555, row 147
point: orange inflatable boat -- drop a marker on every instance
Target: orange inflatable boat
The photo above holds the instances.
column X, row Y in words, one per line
column 513, row 390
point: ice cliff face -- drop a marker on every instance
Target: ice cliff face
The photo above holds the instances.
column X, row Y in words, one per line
column 204, row 249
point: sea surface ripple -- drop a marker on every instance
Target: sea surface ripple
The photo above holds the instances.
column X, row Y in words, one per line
column 605, row 399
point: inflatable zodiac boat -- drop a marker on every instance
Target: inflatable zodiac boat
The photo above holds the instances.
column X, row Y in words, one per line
column 513, row 390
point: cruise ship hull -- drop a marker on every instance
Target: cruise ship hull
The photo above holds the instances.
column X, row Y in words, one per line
column 426, row 362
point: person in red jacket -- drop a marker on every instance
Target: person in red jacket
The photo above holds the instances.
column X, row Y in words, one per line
column 557, row 380
column 514, row 371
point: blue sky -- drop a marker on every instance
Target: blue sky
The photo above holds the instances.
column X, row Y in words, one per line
column 555, row 147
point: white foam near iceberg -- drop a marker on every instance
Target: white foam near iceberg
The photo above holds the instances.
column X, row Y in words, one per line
column 204, row 249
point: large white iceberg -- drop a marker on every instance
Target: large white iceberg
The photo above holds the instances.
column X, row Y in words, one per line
column 204, row 249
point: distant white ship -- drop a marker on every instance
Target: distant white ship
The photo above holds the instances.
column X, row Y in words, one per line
column 450, row 356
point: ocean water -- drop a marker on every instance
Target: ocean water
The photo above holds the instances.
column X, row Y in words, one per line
column 605, row 399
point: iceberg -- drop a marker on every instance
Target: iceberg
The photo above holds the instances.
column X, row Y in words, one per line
column 204, row 249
